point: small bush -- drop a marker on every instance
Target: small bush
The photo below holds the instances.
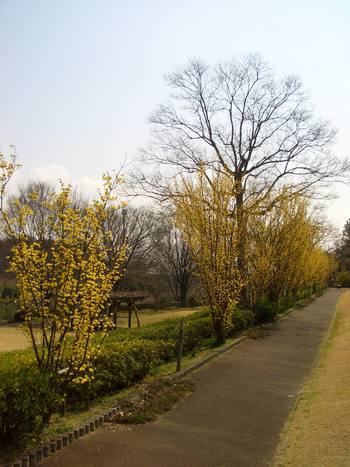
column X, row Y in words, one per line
column 18, row 317
column 26, row 396
column 343, row 278
column 120, row 365
column 9, row 292
column 241, row 319
column 129, row 355
column 165, row 302
column 265, row 311
column 284, row 303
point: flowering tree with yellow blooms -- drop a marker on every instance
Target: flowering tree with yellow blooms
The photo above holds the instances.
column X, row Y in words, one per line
column 204, row 214
column 64, row 278
column 285, row 250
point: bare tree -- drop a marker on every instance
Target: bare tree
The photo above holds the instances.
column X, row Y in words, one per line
column 237, row 119
column 133, row 227
column 177, row 263
column 35, row 195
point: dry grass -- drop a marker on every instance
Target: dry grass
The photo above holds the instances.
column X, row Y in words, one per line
column 318, row 430
column 12, row 337
column 151, row 399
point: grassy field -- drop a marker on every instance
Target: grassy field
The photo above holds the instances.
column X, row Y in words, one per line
column 318, row 430
column 12, row 336
column 150, row 316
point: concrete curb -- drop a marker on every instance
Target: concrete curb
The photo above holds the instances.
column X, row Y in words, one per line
column 40, row 453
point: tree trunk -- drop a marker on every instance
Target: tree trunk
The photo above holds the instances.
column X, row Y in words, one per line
column 218, row 324
column 183, row 297
column 241, row 241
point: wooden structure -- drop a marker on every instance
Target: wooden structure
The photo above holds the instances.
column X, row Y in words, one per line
column 130, row 298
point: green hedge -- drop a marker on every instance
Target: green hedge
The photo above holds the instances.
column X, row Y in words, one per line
column 26, row 395
column 266, row 311
column 129, row 355
column 119, row 365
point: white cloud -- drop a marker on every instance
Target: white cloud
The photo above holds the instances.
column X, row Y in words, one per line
column 53, row 173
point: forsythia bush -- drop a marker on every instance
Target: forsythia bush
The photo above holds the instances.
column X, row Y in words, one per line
column 261, row 253
column 64, row 273
column 286, row 257
column 203, row 213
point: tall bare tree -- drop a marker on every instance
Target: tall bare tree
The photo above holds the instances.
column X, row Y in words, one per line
column 238, row 119
column 133, row 227
column 177, row 263
column 36, row 195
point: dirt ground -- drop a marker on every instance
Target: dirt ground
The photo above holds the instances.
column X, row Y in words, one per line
column 12, row 337
column 318, row 430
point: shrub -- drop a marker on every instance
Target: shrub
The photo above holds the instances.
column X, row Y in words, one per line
column 120, row 365
column 196, row 331
column 194, row 301
column 241, row 319
column 130, row 354
column 165, row 302
column 284, row 303
column 343, row 278
column 18, row 317
column 265, row 311
column 26, row 396
column 9, row 292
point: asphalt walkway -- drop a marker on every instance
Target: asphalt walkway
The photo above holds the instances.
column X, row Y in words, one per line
column 235, row 417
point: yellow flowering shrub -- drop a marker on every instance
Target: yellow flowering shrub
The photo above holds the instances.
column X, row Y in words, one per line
column 204, row 214
column 285, row 250
column 64, row 279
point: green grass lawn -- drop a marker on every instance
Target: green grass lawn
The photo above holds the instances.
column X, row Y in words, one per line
column 12, row 336
column 149, row 316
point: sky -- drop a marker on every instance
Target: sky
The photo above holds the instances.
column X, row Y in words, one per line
column 79, row 78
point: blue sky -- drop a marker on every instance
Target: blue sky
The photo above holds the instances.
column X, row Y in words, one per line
column 79, row 78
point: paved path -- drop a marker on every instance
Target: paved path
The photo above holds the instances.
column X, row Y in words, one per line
column 235, row 417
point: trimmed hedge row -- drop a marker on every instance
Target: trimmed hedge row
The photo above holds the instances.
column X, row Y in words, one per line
column 25, row 394
column 129, row 355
